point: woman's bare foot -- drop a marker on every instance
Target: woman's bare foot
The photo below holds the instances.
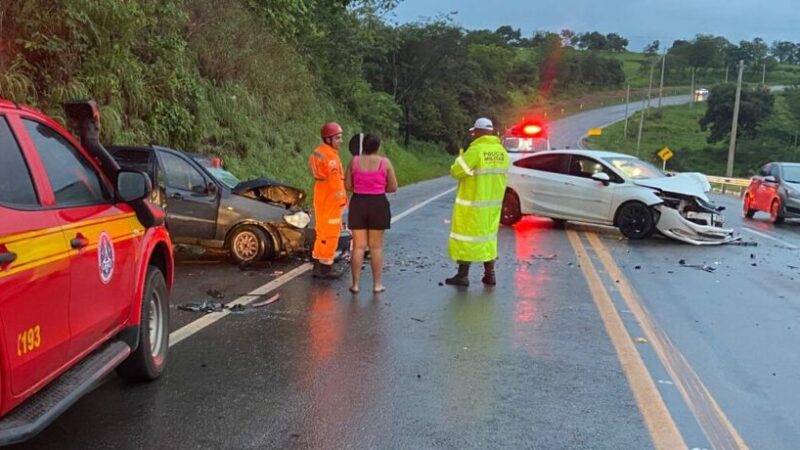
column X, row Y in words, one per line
column 377, row 289
column 354, row 289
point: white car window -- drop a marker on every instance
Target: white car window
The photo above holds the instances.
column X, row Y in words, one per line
column 633, row 168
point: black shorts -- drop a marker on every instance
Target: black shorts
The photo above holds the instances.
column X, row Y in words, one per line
column 369, row 212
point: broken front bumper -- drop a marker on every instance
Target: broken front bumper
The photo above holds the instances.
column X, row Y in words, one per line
column 672, row 224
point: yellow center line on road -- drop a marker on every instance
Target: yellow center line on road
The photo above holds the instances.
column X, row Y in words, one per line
column 657, row 419
column 712, row 420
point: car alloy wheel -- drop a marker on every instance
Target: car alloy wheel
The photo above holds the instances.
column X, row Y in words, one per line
column 157, row 325
column 248, row 243
column 148, row 359
column 635, row 220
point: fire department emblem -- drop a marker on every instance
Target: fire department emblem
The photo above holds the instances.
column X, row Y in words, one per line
column 105, row 258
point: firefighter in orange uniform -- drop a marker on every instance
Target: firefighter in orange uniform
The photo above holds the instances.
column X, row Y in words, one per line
column 329, row 199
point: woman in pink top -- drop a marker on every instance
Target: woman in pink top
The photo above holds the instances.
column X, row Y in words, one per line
column 369, row 176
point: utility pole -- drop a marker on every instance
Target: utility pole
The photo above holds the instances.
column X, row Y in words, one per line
column 735, row 124
column 661, row 86
column 644, row 111
column 691, row 93
column 726, row 72
column 764, row 74
column 627, row 101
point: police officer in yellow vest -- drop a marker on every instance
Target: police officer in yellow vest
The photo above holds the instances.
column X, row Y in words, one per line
column 481, row 172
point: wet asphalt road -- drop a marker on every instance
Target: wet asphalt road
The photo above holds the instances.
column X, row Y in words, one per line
column 527, row 364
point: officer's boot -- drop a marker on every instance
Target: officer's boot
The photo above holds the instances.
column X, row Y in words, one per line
column 461, row 278
column 488, row 273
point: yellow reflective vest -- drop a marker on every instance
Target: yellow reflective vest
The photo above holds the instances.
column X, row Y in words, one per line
column 481, row 173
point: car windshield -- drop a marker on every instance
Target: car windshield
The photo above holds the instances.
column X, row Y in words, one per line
column 634, row 169
column 227, row 178
column 791, row 174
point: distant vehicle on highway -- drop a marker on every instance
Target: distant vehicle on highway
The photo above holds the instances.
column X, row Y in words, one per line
column 207, row 205
column 776, row 190
column 701, row 94
column 612, row 189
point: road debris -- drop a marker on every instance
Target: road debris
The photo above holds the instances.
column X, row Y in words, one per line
column 210, row 306
column 268, row 301
column 641, row 340
column 744, row 243
column 213, row 293
column 703, row 267
column 205, row 307
column 237, row 308
column 418, row 320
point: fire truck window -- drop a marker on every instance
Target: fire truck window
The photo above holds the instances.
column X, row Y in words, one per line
column 16, row 185
column 73, row 179
column 181, row 175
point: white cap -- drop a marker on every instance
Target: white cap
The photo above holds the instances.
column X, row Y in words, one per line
column 483, row 123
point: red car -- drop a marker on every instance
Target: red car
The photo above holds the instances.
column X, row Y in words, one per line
column 85, row 268
column 776, row 190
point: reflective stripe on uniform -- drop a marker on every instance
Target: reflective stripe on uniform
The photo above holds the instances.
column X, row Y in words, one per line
column 335, row 221
column 318, row 155
column 464, row 166
column 461, row 237
column 483, row 204
column 491, row 171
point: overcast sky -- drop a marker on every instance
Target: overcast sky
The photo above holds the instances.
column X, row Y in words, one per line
column 641, row 21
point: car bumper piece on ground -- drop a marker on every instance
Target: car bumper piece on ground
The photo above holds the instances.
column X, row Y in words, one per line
column 673, row 225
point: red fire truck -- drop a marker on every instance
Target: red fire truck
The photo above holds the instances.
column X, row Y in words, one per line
column 85, row 268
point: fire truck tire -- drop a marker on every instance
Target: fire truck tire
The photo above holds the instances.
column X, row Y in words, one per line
column 148, row 360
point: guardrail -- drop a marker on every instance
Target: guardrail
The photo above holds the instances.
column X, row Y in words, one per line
column 725, row 185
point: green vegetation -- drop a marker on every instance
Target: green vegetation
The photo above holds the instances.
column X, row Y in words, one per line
column 253, row 80
column 765, row 134
column 675, row 127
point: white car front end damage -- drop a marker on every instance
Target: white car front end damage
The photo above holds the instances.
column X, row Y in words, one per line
column 686, row 213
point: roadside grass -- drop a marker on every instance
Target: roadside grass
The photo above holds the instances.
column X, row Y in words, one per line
column 675, row 127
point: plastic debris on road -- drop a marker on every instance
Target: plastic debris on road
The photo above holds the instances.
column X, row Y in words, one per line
column 268, row 301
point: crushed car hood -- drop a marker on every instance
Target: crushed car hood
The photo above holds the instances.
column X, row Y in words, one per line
column 271, row 191
column 690, row 183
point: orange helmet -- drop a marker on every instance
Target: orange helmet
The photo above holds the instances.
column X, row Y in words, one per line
column 330, row 129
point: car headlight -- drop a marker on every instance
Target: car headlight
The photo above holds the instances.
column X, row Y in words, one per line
column 299, row 219
column 792, row 192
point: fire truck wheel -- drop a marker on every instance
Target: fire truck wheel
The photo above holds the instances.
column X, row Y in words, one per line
column 148, row 360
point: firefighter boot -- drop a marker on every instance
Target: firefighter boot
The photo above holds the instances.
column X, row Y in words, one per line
column 488, row 273
column 461, row 278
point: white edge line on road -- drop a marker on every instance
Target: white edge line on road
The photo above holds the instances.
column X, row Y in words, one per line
column 188, row 330
column 772, row 238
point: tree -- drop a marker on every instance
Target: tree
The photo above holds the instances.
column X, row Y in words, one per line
column 592, row 41
column 784, row 51
column 511, row 37
column 615, row 42
column 755, row 106
column 652, row 48
column 568, row 38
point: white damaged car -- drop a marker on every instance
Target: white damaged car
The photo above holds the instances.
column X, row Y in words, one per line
column 613, row 189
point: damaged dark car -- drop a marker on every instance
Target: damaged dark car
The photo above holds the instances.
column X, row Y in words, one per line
column 206, row 205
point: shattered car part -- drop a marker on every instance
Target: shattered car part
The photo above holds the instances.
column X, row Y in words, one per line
column 692, row 218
